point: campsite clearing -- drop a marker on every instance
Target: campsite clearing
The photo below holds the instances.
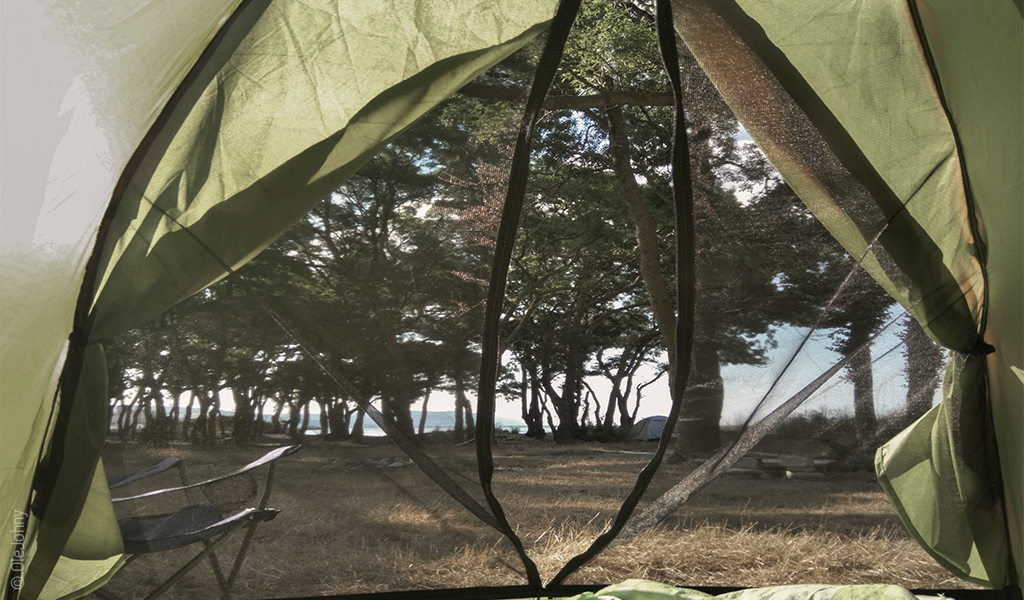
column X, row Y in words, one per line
column 330, row 539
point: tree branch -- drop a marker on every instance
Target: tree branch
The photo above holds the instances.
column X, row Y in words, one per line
column 600, row 100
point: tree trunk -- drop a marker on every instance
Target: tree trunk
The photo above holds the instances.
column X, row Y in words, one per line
column 700, row 418
column 569, row 411
column 924, row 362
column 551, row 422
column 149, row 430
column 532, row 415
column 140, row 404
column 158, row 426
column 186, row 421
column 275, row 419
column 662, row 305
column 463, row 410
column 339, row 418
column 175, row 413
column 305, row 421
column 204, row 429
column 293, row 420
column 397, row 382
column 614, row 401
column 423, row 413
column 243, row 418
column 863, row 384
column 584, row 413
column 459, row 431
column 470, row 423
column 325, row 420
column 399, row 412
column 259, row 418
column 626, row 367
column 567, row 402
column 218, row 420
column 357, row 426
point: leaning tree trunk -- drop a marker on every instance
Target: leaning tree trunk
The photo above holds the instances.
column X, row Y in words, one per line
column 701, row 412
column 646, row 230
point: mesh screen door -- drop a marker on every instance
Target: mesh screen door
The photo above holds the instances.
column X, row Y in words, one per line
column 471, row 334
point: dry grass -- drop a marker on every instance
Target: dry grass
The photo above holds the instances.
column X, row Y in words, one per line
column 750, row 556
column 361, row 519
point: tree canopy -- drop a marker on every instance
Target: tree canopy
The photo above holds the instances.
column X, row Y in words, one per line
column 383, row 284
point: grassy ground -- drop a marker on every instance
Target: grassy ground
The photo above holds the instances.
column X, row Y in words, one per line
column 362, row 518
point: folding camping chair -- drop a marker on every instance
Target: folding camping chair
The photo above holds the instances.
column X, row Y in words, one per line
column 207, row 518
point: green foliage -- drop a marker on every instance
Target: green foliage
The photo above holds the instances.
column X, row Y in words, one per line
column 614, row 45
column 384, row 281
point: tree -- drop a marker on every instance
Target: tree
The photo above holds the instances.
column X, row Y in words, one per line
column 738, row 302
column 924, row 363
column 385, row 278
column 361, row 260
column 613, row 83
column 863, row 307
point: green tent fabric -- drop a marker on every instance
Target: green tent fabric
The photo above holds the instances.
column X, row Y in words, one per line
column 344, row 82
column 66, row 137
column 979, row 60
column 844, row 100
column 899, row 125
column 272, row 122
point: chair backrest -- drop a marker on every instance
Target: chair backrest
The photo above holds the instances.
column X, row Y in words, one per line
column 230, row 494
column 127, row 478
column 267, row 459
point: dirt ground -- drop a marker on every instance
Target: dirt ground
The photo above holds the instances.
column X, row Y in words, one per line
column 363, row 518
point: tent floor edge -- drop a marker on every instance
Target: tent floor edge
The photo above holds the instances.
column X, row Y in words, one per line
column 566, row 591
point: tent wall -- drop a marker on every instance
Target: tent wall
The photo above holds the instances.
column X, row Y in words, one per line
column 844, row 100
column 80, row 88
column 978, row 52
column 111, row 67
column 270, row 122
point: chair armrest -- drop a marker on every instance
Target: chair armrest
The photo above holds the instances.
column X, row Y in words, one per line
column 188, row 525
column 267, row 458
column 126, row 478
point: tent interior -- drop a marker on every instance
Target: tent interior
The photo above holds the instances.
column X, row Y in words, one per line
column 457, row 250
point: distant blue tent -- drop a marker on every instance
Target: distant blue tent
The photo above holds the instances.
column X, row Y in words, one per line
column 647, row 430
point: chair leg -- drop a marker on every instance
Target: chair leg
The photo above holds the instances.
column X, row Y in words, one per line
column 208, row 551
column 105, row 595
column 225, row 586
column 218, row 573
column 188, row 566
column 240, row 558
